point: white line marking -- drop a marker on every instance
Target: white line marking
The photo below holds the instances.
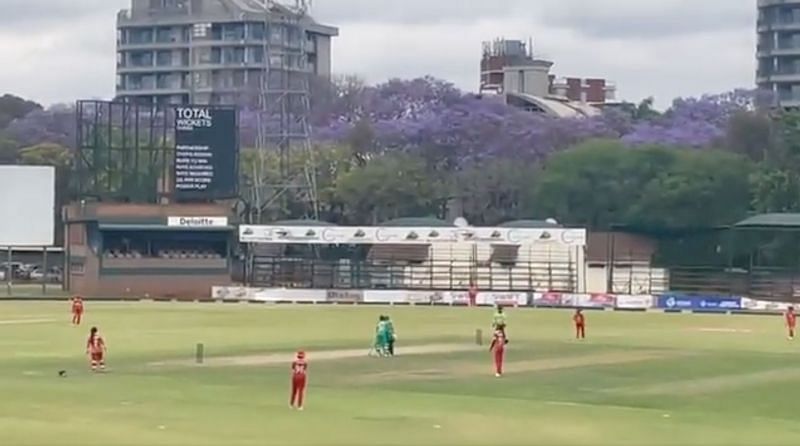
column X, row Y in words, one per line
column 725, row 330
column 599, row 406
column 25, row 321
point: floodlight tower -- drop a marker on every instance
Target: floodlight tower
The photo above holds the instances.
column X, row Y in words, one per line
column 283, row 126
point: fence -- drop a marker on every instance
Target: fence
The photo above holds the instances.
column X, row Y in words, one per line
column 771, row 284
column 423, row 275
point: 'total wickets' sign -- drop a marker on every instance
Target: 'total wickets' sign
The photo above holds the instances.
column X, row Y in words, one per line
column 206, row 153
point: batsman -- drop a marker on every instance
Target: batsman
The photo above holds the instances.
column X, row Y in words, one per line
column 382, row 337
column 499, row 322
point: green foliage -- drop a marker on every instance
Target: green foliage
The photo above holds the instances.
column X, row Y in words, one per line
column 389, row 187
column 9, row 150
column 602, row 183
column 495, row 192
column 46, row 155
column 13, row 107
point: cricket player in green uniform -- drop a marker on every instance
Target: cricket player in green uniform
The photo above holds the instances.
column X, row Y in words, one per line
column 381, row 337
column 499, row 321
column 390, row 335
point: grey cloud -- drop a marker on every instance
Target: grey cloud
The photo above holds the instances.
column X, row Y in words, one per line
column 417, row 12
column 44, row 12
column 595, row 18
column 624, row 19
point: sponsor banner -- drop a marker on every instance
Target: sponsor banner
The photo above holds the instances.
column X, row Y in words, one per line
column 547, row 299
column 510, row 299
column 595, row 300
column 688, row 302
column 344, row 296
column 444, row 297
column 403, row 296
column 231, row 293
column 287, row 295
column 198, row 222
column 342, row 235
column 634, row 302
column 762, row 305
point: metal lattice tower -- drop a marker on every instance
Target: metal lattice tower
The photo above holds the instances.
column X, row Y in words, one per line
column 284, row 116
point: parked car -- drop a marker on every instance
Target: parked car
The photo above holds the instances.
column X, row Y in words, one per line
column 16, row 268
column 52, row 275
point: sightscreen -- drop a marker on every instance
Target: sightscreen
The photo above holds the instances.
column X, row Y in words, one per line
column 206, row 153
column 27, row 206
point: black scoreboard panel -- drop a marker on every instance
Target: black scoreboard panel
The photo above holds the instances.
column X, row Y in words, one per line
column 206, row 153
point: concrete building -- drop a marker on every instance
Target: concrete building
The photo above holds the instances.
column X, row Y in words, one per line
column 508, row 67
column 212, row 51
column 778, row 50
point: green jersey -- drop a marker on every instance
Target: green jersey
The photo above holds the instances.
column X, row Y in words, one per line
column 499, row 319
column 389, row 328
column 381, row 328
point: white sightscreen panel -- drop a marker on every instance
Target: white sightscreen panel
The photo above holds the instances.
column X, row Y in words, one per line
column 27, row 205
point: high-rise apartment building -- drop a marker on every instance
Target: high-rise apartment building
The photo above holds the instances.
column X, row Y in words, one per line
column 213, row 51
column 778, row 50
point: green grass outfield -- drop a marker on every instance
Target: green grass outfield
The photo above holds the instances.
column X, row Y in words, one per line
column 640, row 379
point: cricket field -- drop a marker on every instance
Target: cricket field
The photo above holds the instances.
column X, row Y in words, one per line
column 640, row 378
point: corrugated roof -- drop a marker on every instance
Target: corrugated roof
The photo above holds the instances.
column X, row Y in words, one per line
column 530, row 224
column 788, row 220
column 418, row 222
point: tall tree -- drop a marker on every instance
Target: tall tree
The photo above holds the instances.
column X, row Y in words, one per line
column 388, row 187
column 14, row 107
column 9, row 151
column 601, row 183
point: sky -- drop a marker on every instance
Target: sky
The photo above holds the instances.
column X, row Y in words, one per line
column 56, row 51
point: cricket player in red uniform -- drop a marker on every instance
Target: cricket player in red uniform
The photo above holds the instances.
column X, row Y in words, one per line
column 473, row 294
column 791, row 321
column 77, row 310
column 580, row 324
column 96, row 349
column 299, row 375
column 498, row 347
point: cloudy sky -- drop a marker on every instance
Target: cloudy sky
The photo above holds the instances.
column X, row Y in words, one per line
column 59, row 50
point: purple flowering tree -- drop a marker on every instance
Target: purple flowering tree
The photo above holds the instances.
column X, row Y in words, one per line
column 56, row 125
column 693, row 122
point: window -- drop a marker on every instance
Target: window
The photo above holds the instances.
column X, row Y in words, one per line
column 233, row 56
column 202, row 79
column 203, row 56
column 77, row 267
column 141, row 59
column 164, row 58
column 238, row 78
column 141, row 35
column 165, row 35
column 233, row 31
column 257, row 31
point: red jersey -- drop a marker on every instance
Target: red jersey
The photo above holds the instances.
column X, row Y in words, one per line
column 499, row 341
column 96, row 344
column 299, row 368
column 473, row 292
column 791, row 318
column 579, row 319
column 77, row 306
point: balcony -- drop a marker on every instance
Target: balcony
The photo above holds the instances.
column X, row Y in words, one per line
column 793, row 50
